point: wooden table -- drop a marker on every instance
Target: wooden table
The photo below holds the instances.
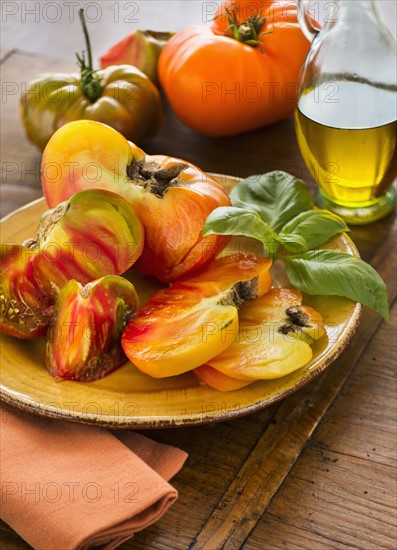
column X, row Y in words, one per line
column 316, row 471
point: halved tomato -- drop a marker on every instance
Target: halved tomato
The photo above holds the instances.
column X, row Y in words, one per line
column 171, row 197
column 195, row 319
column 275, row 333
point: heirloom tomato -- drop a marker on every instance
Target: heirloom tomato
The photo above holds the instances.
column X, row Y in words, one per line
column 121, row 96
column 141, row 49
column 219, row 381
column 83, row 341
column 95, row 233
column 196, row 318
column 238, row 74
column 172, row 197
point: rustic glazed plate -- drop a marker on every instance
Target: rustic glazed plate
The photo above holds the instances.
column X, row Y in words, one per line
column 130, row 399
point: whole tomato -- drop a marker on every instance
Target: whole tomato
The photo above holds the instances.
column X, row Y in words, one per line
column 120, row 96
column 141, row 49
column 240, row 73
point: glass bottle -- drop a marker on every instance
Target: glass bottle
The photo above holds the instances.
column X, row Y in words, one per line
column 347, row 109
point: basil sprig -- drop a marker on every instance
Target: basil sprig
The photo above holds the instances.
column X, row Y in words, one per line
column 277, row 210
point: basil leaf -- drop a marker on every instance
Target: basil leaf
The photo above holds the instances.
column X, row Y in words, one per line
column 295, row 244
column 227, row 220
column 310, row 229
column 277, row 197
column 326, row 272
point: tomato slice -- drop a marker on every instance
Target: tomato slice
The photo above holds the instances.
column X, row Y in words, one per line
column 195, row 319
column 218, row 380
column 275, row 333
column 84, row 337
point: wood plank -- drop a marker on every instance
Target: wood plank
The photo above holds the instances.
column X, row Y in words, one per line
column 339, row 498
column 370, row 237
column 279, row 447
column 343, row 489
column 282, row 536
column 215, row 455
column 363, row 421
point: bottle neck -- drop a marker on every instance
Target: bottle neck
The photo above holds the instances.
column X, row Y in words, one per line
column 356, row 46
column 353, row 11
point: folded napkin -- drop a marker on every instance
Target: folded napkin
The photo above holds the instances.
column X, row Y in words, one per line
column 68, row 486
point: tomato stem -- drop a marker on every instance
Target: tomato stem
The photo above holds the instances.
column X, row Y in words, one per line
column 151, row 176
column 87, row 38
column 247, row 32
column 90, row 81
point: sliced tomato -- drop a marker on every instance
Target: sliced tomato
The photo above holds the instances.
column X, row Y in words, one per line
column 218, row 380
column 195, row 319
column 275, row 333
column 84, row 337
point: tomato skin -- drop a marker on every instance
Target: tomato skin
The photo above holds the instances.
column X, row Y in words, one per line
column 130, row 103
column 174, row 245
column 141, row 49
column 219, row 86
column 219, row 381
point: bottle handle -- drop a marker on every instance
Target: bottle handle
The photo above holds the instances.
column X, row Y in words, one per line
column 306, row 20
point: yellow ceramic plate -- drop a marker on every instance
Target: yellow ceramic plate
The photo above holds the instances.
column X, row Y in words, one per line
column 130, row 399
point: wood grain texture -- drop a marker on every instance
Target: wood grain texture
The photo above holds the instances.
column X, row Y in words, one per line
column 235, row 492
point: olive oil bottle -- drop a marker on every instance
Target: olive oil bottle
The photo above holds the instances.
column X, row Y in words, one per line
column 350, row 149
column 346, row 117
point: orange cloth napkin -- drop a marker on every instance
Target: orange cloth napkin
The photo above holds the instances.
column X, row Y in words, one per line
column 68, row 486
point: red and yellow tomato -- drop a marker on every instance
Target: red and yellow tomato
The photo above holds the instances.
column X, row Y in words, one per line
column 172, row 197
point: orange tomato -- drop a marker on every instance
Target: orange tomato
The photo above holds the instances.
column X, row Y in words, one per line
column 221, row 83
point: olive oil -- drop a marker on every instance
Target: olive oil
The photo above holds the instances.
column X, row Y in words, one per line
column 347, row 134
